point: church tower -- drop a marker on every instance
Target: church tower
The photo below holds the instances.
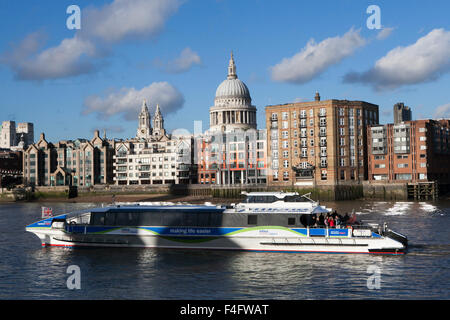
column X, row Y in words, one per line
column 144, row 129
column 158, row 123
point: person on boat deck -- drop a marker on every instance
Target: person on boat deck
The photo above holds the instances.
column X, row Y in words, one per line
column 321, row 220
column 338, row 221
column 345, row 218
column 331, row 222
column 313, row 220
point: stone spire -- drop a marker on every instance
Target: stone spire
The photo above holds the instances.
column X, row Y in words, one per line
column 144, row 128
column 158, row 122
column 232, row 68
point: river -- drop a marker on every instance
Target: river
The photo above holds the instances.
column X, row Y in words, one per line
column 29, row 271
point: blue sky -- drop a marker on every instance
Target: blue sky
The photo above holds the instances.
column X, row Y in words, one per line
column 70, row 82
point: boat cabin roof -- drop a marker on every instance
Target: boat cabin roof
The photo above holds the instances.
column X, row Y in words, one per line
column 139, row 208
column 270, row 197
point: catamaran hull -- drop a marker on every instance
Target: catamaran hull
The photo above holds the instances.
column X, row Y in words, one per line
column 251, row 240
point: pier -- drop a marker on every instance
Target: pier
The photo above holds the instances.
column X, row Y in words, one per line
column 423, row 190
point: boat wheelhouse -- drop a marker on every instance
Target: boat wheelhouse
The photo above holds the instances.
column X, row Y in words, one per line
column 264, row 221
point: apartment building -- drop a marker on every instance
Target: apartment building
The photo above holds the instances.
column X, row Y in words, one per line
column 153, row 156
column 410, row 151
column 77, row 162
column 318, row 142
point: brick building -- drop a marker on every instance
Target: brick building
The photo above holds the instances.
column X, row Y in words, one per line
column 318, row 142
column 410, row 151
column 77, row 162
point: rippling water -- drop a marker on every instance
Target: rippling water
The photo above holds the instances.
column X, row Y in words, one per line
column 28, row 271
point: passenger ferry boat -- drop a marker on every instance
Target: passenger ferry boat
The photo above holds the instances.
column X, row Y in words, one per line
column 264, row 221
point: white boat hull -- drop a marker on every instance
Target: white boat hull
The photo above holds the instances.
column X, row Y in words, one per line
column 250, row 239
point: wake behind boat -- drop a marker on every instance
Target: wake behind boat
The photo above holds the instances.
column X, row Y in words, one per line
column 264, row 221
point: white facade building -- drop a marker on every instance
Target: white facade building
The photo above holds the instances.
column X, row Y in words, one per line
column 11, row 137
column 153, row 157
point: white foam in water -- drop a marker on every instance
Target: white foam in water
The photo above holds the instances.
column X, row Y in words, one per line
column 428, row 207
column 399, row 208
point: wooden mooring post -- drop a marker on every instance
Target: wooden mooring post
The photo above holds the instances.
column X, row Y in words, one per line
column 423, row 190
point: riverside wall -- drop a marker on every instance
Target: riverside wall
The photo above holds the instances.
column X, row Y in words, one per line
column 366, row 190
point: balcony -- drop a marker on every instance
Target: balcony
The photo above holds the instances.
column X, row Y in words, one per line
column 322, row 134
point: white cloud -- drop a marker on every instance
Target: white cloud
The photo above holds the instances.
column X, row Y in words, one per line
column 442, row 111
column 425, row 60
column 315, row 58
column 384, row 33
column 127, row 101
column 182, row 63
column 125, row 18
column 119, row 20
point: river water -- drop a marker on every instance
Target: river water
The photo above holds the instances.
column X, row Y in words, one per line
column 28, row 271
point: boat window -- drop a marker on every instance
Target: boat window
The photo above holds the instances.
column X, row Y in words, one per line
column 98, row 218
column 252, row 219
column 203, row 220
column 190, row 219
column 172, row 219
column 261, row 199
column 127, row 218
column 291, row 221
column 215, row 219
column 110, row 218
column 151, row 219
column 295, row 198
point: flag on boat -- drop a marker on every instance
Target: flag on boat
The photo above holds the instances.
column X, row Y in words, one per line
column 46, row 212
